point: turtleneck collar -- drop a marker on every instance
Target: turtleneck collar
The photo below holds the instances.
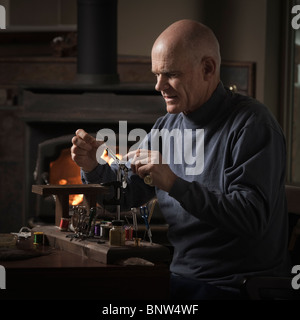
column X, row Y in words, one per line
column 209, row 109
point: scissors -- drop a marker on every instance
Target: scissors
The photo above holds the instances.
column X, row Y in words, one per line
column 145, row 214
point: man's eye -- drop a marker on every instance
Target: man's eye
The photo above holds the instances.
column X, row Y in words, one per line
column 167, row 75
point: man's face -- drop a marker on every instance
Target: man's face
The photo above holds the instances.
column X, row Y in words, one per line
column 179, row 79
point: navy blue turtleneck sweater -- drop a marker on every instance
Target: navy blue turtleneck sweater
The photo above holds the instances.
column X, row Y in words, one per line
column 229, row 220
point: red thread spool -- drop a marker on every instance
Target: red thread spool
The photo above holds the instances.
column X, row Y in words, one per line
column 64, row 224
column 128, row 233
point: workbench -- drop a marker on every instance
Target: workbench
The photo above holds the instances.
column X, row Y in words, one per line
column 59, row 274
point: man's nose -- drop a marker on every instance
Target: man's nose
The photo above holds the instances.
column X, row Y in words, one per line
column 161, row 83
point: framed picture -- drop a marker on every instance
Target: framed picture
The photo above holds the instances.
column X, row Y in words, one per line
column 239, row 76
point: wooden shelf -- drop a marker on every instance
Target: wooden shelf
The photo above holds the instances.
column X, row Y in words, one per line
column 62, row 192
column 45, row 190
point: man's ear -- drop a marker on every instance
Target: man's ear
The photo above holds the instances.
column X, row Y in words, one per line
column 209, row 67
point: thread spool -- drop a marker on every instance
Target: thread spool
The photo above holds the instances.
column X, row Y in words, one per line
column 128, row 233
column 64, row 224
column 38, row 238
column 97, row 230
column 104, row 233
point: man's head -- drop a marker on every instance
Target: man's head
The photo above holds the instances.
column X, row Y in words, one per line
column 186, row 61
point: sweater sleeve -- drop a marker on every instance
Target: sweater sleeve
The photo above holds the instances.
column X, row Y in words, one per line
column 251, row 188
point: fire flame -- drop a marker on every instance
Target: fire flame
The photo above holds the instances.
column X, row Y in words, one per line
column 108, row 159
column 62, row 182
column 74, row 199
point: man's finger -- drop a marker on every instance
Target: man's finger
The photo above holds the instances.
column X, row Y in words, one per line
column 130, row 155
column 137, row 155
column 79, row 151
column 87, row 138
column 78, row 142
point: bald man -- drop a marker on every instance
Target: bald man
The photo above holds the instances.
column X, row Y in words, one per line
column 225, row 201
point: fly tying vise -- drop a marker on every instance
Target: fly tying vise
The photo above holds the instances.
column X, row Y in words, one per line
column 121, row 182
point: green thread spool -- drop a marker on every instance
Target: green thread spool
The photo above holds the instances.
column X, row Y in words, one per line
column 38, row 237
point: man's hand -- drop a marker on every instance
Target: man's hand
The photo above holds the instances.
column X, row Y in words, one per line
column 84, row 149
column 147, row 162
